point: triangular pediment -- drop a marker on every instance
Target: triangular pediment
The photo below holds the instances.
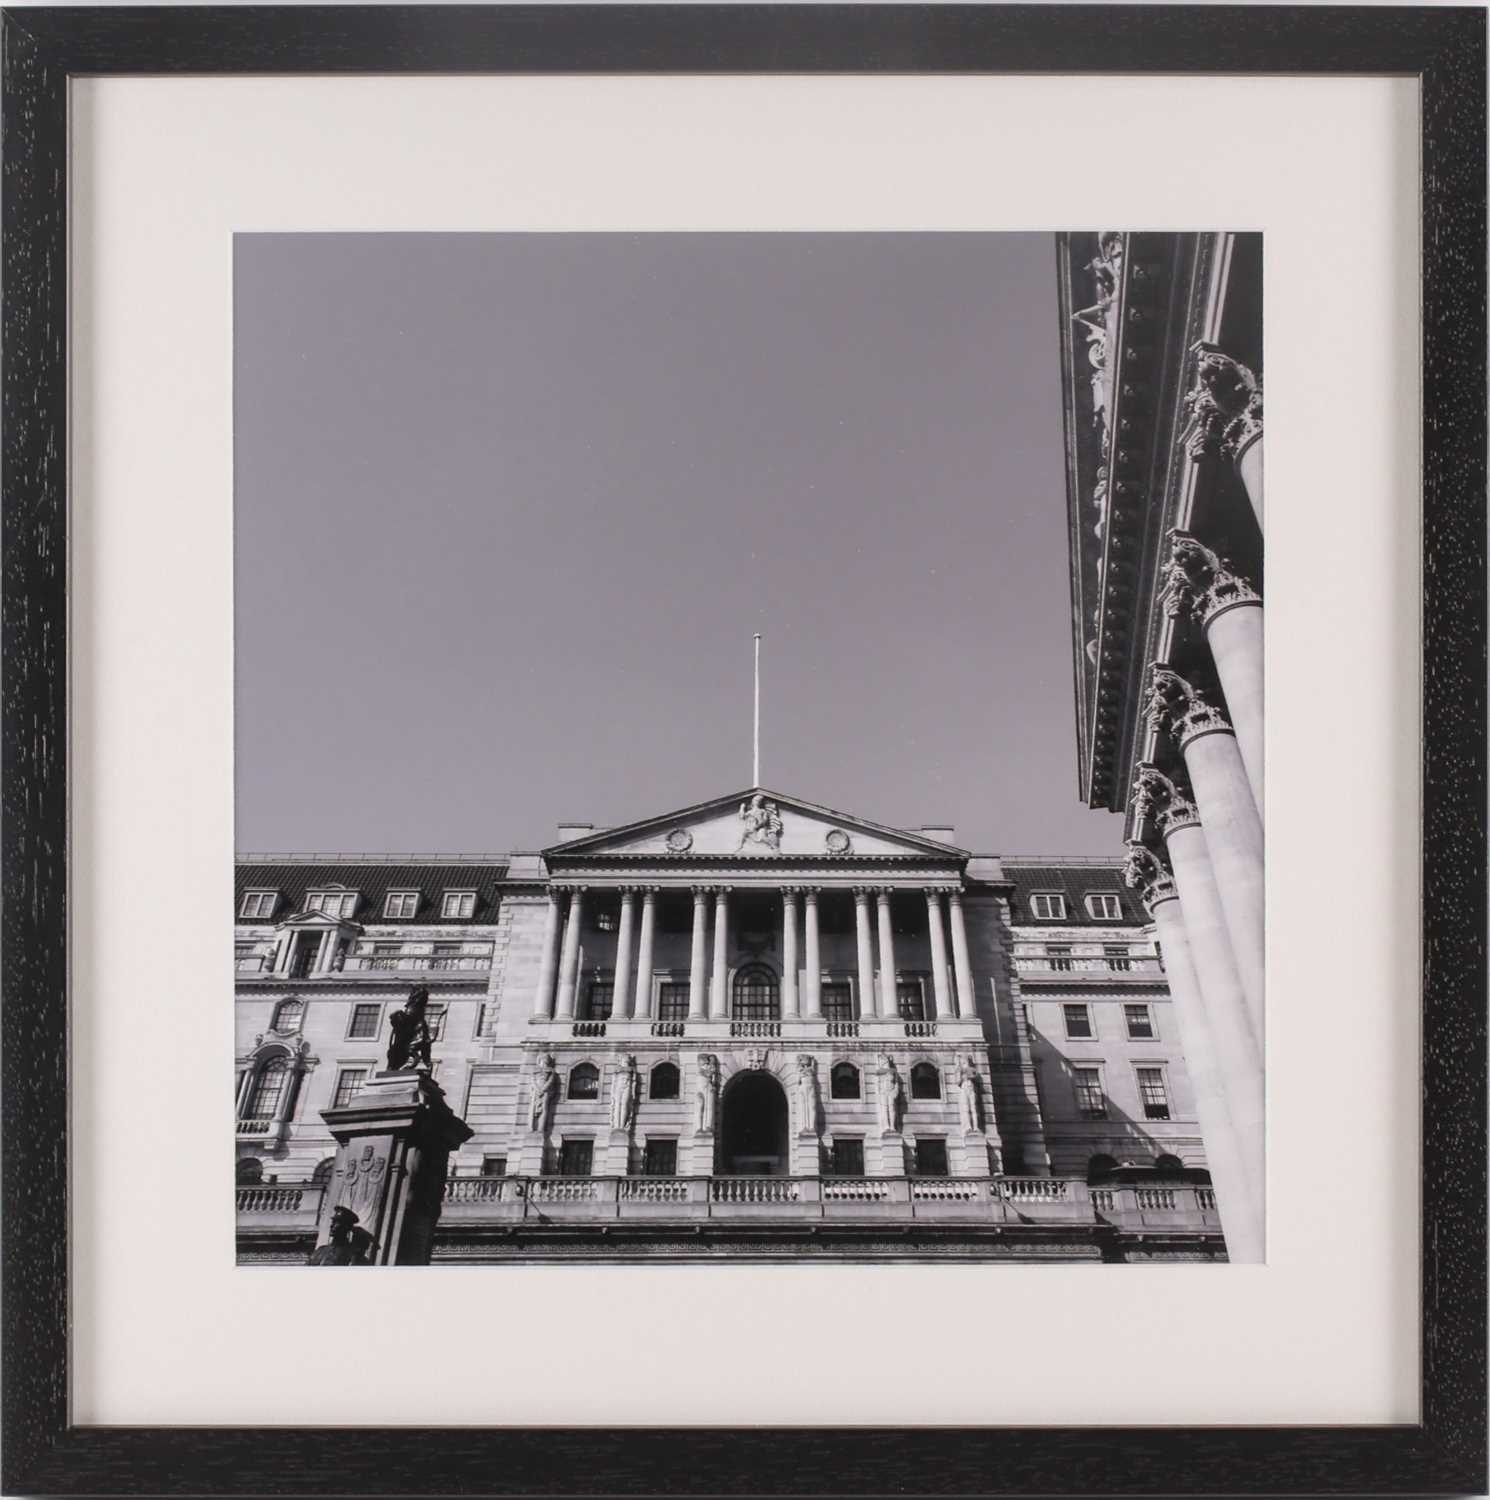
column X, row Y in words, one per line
column 317, row 919
column 756, row 823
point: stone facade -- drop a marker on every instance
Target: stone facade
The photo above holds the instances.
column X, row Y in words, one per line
column 782, row 1029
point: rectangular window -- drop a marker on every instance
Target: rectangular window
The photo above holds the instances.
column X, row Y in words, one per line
column 480, row 1019
column 672, row 1001
column 910, row 999
column 401, row 904
column 1152, row 1092
column 931, row 1158
column 1048, row 907
column 1140, row 1023
column 303, row 960
column 1078, row 1022
column 258, row 905
column 1059, row 955
column 493, row 1166
column 598, row 1000
column 661, row 1159
column 838, row 1002
column 332, row 903
column 1117, row 957
column 458, row 904
column 1091, row 1102
column 847, row 1159
column 435, row 1016
column 606, row 919
column 575, row 1158
column 1104, row 906
column 365, row 1020
column 348, row 1081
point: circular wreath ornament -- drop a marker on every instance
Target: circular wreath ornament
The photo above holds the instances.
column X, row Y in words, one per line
column 679, row 841
column 838, row 841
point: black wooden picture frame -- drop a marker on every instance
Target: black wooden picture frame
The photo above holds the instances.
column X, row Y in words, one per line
column 43, row 1452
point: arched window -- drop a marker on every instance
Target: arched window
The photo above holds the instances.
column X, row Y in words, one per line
column 756, row 994
column 288, row 1015
column 324, row 1170
column 584, row 1081
column 664, row 1083
column 249, row 1169
column 1100, row 1167
column 926, row 1082
column 1170, row 1166
column 268, row 1091
column 844, row 1081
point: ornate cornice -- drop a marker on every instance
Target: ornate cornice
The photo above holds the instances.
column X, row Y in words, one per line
column 1199, row 583
column 1223, row 410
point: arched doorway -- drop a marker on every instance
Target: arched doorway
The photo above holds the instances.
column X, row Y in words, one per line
column 752, row 1137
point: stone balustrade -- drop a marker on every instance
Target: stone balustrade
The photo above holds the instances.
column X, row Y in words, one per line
column 1087, row 968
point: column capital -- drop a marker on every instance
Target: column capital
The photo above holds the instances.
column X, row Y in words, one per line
column 1144, row 872
column 864, row 892
column 789, row 892
column 954, row 895
column 1156, row 798
column 1178, row 705
column 810, row 893
column 1223, row 408
column 1200, row 583
column 701, row 893
column 569, row 888
column 647, row 891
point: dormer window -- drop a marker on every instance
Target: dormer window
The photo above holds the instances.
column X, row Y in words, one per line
column 1105, row 906
column 338, row 902
column 258, row 906
column 401, row 904
column 1048, row 906
column 458, row 904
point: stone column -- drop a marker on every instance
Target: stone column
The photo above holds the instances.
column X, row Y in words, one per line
column 569, row 964
column 548, row 969
column 865, row 939
column 1200, row 584
column 1237, row 1195
column 621, row 990
column 967, row 998
column 889, row 1000
column 642, row 1010
column 1224, row 410
column 698, row 1005
column 1234, row 1043
column 719, row 981
column 939, row 987
column 813, row 979
column 1233, row 831
column 789, row 963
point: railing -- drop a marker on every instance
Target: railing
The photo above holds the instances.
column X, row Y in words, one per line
column 1034, row 1189
column 654, row 1190
column 563, row 1189
column 270, row 1200
column 755, row 1028
column 1155, row 1197
column 855, row 1190
column 843, row 1028
column 475, row 1190
column 1205, row 1198
column 946, row 1190
column 667, row 1028
column 252, row 964
column 1093, row 966
column 1104, row 1200
column 754, row 1189
column 587, row 1028
column 920, row 1028
column 255, row 1127
column 393, row 963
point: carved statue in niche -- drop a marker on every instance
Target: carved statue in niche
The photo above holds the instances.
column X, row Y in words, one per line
column 409, row 1034
column 969, row 1099
column 623, row 1096
column 891, row 1095
column 545, row 1091
column 760, row 823
column 807, row 1101
column 708, row 1092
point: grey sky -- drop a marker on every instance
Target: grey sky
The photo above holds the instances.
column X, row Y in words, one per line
column 509, row 508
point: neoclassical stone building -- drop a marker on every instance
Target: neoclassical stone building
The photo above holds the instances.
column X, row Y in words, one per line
column 751, row 1027
column 1164, row 444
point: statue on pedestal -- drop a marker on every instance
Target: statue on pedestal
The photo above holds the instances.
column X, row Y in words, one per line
column 891, row 1095
column 409, row 1034
column 623, row 1094
column 545, row 1091
column 968, row 1097
column 348, row 1245
column 708, row 1092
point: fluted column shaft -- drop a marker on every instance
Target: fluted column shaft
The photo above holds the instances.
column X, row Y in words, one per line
column 967, row 1000
column 719, row 980
column 697, row 977
column 569, row 965
column 620, row 1007
column 789, row 964
column 1234, row 1045
column 548, row 968
column 1234, row 635
column 643, row 1007
column 813, row 979
column 1233, row 840
column 1236, row 1193
column 940, row 988
column 889, row 1000
column 865, row 942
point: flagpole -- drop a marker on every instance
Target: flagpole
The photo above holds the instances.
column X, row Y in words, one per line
column 757, row 743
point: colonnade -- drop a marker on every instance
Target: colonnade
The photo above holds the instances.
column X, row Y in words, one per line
column 708, row 969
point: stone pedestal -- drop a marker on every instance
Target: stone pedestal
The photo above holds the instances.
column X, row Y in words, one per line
column 700, row 1154
column 617, row 1155
column 972, row 1158
column 887, row 1155
column 806, row 1154
column 393, row 1145
column 529, row 1156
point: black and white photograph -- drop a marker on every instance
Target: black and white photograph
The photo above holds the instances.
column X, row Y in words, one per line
column 749, row 747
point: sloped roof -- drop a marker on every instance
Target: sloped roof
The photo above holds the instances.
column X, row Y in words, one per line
column 373, row 879
column 1075, row 881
